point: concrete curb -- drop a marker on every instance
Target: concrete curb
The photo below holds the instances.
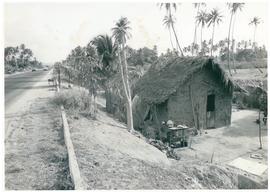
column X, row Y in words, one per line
column 72, row 160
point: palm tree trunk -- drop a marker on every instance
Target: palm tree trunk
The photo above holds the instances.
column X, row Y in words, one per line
column 195, row 33
column 177, row 40
column 212, row 39
column 124, row 74
column 201, row 38
column 254, row 36
column 233, row 43
column 171, row 39
column 194, row 40
column 229, row 59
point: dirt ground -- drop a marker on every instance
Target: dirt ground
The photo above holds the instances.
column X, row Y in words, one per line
column 35, row 153
column 228, row 143
column 109, row 157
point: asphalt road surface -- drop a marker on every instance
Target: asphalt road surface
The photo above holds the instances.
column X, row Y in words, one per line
column 17, row 85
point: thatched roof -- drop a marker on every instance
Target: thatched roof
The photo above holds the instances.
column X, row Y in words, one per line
column 162, row 81
column 246, row 84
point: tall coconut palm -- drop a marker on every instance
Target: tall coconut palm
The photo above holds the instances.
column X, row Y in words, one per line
column 121, row 34
column 167, row 23
column 233, row 7
column 255, row 21
column 169, row 7
column 197, row 6
column 214, row 17
column 201, row 19
column 106, row 50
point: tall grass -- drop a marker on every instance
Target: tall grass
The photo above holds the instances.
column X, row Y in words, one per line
column 75, row 101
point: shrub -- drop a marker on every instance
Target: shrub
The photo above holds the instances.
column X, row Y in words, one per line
column 74, row 101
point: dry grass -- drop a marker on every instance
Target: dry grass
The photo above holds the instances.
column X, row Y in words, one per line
column 74, row 100
column 36, row 156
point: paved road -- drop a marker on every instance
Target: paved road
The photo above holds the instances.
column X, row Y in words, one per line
column 17, row 85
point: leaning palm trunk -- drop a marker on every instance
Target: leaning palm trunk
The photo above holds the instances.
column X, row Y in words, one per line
column 229, row 56
column 177, row 42
column 194, row 41
column 212, row 39
column 171, row 39
column 201, row 40
column 233, row 44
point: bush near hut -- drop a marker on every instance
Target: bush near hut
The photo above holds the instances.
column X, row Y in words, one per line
column 255, row 89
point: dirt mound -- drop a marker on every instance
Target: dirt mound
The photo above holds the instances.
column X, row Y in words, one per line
column 109, row 157
column 110, row 133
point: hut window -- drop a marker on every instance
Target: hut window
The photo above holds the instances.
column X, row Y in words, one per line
column 211, row 102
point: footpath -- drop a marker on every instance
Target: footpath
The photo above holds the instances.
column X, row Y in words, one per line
column 35, row 152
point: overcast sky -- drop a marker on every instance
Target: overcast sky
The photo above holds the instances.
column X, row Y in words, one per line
column 51, row 30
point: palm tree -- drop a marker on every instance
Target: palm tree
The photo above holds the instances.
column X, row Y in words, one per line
column 196, row 5
column 171, row 21
column 255, row 21
column 214, row 18
column 233, row 7
column 201, row 19
column 121, row 34
column 106, row 50
column 167, row 22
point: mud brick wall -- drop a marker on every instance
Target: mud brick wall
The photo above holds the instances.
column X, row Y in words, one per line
column 180, row 108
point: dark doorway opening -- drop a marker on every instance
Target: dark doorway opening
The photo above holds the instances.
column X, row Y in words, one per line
column 211, row 102
column 210, row 111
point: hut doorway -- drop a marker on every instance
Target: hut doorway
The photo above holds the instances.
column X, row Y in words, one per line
column 210, row 111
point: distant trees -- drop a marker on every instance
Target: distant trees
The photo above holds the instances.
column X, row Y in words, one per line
column 18, row 58
column 141, row 57
column 169, row 21
column 244, row 51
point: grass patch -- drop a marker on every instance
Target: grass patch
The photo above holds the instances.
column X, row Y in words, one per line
column 75, row 101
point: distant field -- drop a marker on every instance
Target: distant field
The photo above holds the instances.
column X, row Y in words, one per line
column 262, row 63
column 252, row 73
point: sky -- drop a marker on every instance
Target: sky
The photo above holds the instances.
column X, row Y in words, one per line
column 53, row 29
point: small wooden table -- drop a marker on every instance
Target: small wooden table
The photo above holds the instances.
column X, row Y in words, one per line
column 178, row 136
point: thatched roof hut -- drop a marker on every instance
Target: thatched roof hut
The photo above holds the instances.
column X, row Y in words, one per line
column 158, row 84
column 192, row 91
